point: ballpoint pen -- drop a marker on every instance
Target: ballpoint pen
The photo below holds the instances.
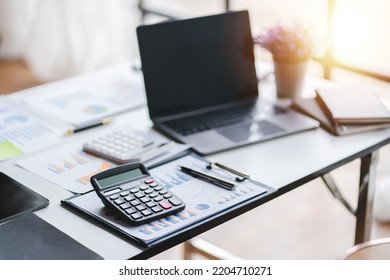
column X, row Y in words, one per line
column 208, row 178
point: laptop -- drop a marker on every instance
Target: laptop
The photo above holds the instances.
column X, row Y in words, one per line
column 201, row 85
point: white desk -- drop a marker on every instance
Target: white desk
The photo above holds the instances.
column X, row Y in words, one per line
column 284, row 163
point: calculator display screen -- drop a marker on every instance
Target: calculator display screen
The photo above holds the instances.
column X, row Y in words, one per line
column 120, row 178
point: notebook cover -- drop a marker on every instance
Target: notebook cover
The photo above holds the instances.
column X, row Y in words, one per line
column 352, row 106
column 311, row 108
column 28, row 237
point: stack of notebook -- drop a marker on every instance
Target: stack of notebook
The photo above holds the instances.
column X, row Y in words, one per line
column 345, row 110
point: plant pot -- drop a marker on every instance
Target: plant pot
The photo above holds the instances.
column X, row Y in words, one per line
column 289, row 78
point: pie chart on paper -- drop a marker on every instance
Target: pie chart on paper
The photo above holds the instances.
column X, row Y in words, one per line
column 95, row 109
column 202, row 206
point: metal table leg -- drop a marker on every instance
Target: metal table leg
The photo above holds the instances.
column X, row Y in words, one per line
column 367, row 184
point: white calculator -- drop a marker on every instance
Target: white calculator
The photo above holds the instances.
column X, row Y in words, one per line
column 124, row 146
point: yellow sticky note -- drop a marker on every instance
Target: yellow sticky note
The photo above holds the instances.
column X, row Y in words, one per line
column 8, row 150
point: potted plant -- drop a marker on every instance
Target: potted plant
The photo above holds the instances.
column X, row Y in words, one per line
column 291, row 46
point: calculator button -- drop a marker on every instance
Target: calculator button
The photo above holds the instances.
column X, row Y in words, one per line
column 139, row 195
column 112, row 192
column 158, row 198
column 136, row 216
column 145, row 199
column 153, row 185
column 149, row 181
column 157, row 209
column 168, row 195
column 150, row 204
column 165, row 204
column 140, row 207
column 153, row 194
column 143, row 187
column 125, row 193
column 135, row 202
column 115, row 196
column 147, row 212
column 175, row 201
column 125, row 206
column 129, row 197
column 148, row 191
column 163, row 192
column 130, row 211
column 134, row 190
column 158, row 188
column 119, row 201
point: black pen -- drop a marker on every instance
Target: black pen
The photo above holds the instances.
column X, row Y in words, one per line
column 79, row 129
column 208, row 178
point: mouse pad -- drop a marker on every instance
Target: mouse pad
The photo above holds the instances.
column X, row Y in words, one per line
column 16, row 199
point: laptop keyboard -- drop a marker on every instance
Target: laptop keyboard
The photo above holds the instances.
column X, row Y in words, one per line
column 215, row 119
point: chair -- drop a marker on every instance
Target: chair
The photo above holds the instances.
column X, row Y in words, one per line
column 146, row 9
column 377, row 249
column 205, row 249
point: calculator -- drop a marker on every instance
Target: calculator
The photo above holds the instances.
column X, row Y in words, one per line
column 133, row 193
column 122, row 146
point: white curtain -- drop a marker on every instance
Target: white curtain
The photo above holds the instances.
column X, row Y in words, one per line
column 59, row 38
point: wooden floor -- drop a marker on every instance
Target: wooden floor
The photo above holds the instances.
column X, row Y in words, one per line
column 306, row 223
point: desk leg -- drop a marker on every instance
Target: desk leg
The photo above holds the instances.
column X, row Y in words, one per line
column 367, row 186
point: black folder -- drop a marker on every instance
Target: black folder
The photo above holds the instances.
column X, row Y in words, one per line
column 28, row 237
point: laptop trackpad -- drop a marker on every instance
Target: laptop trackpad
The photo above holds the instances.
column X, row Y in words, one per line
column 250, row 131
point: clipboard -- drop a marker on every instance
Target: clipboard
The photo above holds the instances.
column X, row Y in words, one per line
column 204, row 201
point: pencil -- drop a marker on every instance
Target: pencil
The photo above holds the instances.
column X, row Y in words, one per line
column 79, row 129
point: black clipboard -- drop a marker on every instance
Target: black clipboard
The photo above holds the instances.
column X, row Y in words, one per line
column 90, row 206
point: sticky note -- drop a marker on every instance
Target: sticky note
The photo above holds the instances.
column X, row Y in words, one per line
column 8, row 150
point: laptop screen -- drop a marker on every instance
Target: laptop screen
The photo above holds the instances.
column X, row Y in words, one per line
column 197, row 63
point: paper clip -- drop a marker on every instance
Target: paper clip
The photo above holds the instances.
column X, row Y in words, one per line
column 239, row 176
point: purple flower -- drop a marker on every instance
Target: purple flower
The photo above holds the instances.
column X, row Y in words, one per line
column 287, row 43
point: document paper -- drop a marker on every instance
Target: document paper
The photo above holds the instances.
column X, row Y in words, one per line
column 22, row 132
column 87, row 99
column 71, row 168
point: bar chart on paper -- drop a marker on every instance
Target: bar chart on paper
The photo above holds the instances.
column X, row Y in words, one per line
column 67, row 166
